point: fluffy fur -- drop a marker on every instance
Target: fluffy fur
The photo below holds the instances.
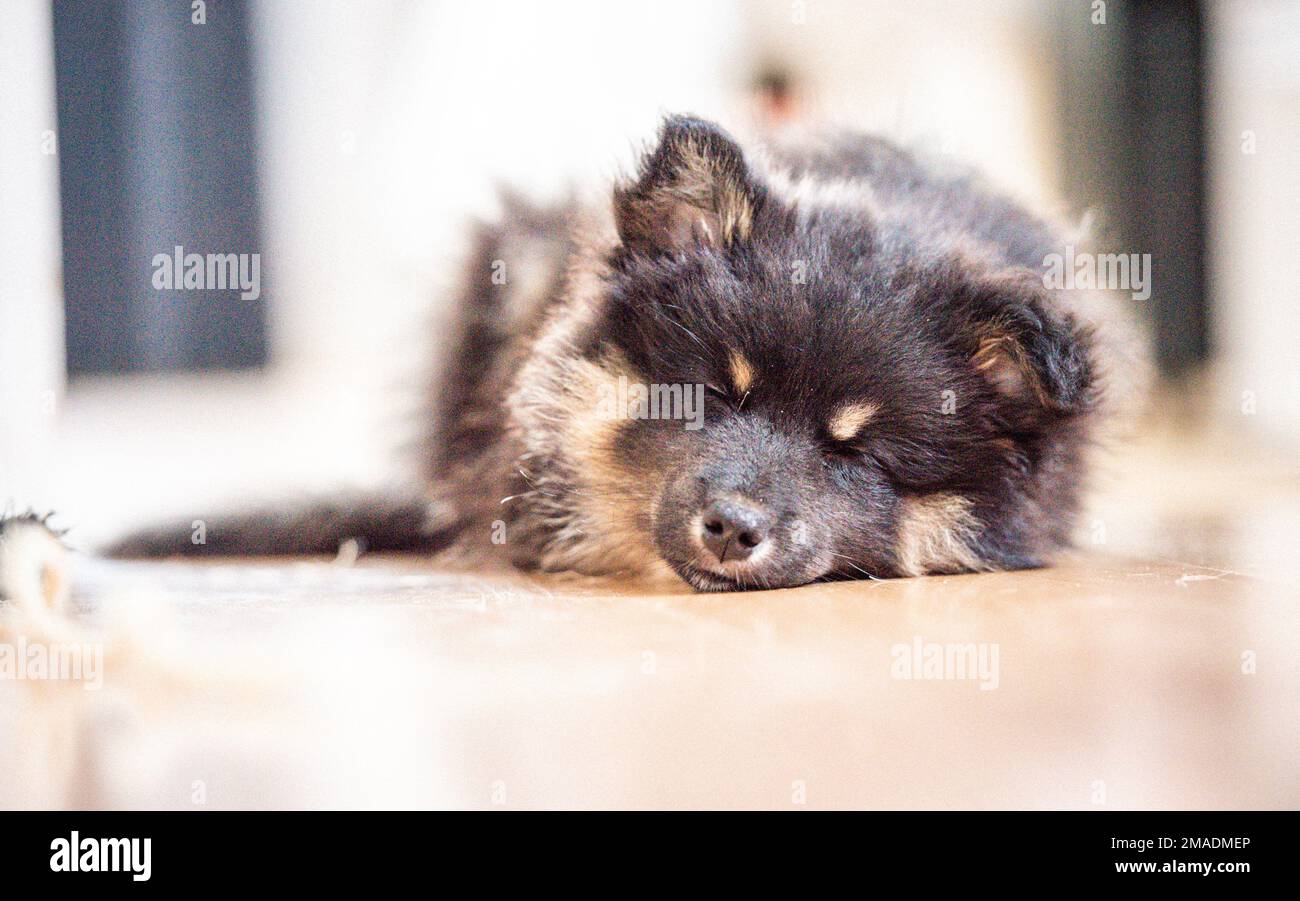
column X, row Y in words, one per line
column 890, row 390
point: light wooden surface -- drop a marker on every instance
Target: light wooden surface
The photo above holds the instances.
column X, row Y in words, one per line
column 1167, row 679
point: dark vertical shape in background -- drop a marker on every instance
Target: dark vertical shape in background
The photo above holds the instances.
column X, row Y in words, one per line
column 157, row 148
column 1133, row 108
column 1167, row 153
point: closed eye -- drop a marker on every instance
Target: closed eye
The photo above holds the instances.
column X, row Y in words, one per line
column 911, row 464
column 721, row 394
column 874, row 454
column 732, row 399
column 848, row 451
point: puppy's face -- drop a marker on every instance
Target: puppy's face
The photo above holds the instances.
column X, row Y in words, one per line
column 867, row 411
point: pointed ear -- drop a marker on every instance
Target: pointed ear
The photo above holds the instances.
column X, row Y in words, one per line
column 693, row 189
column 1026, row 349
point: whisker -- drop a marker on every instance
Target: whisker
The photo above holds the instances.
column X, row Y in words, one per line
column 694, row 337
column 855, row 566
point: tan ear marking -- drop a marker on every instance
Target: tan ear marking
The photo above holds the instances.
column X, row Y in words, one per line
column 742, row 373
column 709, row 189
column 849, row 419
column 1002, row 362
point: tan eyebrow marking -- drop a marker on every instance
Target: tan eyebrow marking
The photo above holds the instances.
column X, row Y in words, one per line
column 849, row 419
column 742, row 373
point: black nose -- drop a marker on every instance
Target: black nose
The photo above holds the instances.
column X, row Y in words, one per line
column 732, row 530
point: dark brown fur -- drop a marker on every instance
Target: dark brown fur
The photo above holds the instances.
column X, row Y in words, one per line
column 891, row 390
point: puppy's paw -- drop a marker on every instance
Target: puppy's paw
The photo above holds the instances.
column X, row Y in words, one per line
column 33, row 564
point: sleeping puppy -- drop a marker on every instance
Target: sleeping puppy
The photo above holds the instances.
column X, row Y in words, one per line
column 751, row 368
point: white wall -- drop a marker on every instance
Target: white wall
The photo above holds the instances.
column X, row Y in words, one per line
column 972, row 80
column 1255, row 212
column 31, row 303
column 386, row 125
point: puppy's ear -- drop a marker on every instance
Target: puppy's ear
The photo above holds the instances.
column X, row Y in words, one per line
column 693, row 189
column 1028, row 351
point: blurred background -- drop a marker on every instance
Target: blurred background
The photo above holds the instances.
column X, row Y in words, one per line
column 347, row 144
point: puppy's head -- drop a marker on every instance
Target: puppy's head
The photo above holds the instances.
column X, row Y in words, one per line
column 870, row 408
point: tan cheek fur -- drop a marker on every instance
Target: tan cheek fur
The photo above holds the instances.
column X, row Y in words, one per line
column 607, row 532
column 935, row 534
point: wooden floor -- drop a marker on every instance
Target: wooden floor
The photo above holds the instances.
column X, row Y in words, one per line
column 1158, row 668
